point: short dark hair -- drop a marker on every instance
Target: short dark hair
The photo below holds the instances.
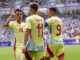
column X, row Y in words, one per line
column 34, row 6
column 53, row 9
column 18, row 10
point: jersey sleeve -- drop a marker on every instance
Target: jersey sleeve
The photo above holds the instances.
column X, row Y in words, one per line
column 48, row 21
column 24, row 26
column 11, row 24
column 28, row 23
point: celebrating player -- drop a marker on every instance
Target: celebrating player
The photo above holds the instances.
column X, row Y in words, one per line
column 55, row 44
column 34, row 34
column 17, row 27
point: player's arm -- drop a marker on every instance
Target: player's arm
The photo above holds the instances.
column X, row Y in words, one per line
column 27, row 32
column 26, row 35
column 9, row 19
column 47, row 22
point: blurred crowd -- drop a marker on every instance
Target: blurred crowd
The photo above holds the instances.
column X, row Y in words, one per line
column 72, row 29
column 5, row 35
column 24, row 3
column 71, row 25
column 70, row 1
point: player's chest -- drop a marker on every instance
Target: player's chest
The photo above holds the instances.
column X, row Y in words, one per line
column 18, row 28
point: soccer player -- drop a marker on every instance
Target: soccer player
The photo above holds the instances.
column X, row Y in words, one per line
column 55, row 44
column 34, row 34
column 17, row 27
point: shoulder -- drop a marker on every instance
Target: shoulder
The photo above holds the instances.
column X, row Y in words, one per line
column 23, row 23
column 49, row 19
column 59, row 19
column 12, row 22
column 56, row 18
column 28, row 17
column 41, row 18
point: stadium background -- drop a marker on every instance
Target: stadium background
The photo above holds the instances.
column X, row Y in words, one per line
column 67, row 10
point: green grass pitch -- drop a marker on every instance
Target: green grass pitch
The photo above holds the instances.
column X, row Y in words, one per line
column 72, row 52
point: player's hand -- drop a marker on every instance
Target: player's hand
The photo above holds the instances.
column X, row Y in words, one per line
column 24, row 49
column 13, row 12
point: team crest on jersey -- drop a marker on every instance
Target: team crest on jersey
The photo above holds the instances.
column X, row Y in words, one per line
column 20, row 29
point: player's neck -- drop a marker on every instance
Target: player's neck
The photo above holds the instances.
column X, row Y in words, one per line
column 19, row 21
column 33, row 14
column 52, row 16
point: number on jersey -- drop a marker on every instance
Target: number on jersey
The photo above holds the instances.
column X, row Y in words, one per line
column 58, row 29
column 40, row 27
